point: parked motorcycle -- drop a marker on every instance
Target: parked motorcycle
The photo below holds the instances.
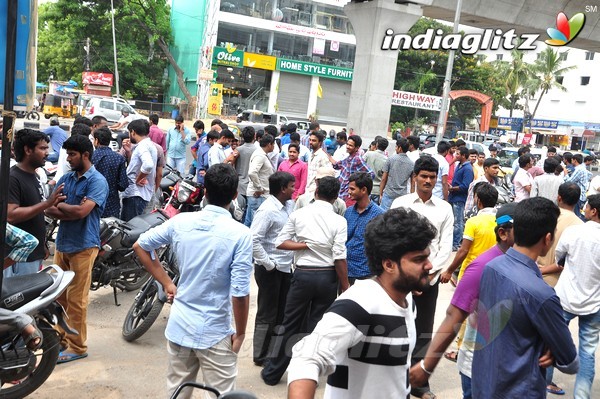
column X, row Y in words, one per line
column 148, row 303
column 22, row 370
column 116, row 264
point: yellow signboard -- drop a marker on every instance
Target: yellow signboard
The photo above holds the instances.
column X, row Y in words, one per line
column 260, row 61
column 215, row 99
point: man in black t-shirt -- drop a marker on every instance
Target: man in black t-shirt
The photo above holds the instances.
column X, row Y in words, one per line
column 26, row 202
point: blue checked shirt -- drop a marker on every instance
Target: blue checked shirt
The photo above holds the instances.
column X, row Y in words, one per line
column 20, row 243
column 357, row 223
column 580, row 177
column 352, row 164
column 112, row 166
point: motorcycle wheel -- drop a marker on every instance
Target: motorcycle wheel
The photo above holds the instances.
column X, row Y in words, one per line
column 143, row 313
column 135, row 283
column 32, row 116
column 47, row 356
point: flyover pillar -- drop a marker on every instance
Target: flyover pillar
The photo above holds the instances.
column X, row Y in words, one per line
column 375, row 69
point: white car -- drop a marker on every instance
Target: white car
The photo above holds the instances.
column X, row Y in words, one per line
column 110, row 108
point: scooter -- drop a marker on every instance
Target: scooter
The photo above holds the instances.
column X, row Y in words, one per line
column 22, row 370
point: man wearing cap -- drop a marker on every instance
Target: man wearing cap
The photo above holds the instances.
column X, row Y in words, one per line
column 57, row 138
column 462, row 305
column 308, row 197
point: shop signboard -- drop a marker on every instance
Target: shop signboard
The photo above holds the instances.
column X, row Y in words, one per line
column 97, row 78
column 228, row 56
column 260, row 61
column 215, row 100
column 310, row 68
column 416, row 100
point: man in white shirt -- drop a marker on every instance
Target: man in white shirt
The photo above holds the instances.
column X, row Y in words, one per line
column 365, row 340
column 523, row 180
column 578, row 289
column 440, row 214
column 319, row 158
column 547, row 184
column 441, row 185
column 341, row 152
column 272, row 267
column 318, row 235
column 216, row 154
column 273, row 155
column 413, row 148
column 258, row 173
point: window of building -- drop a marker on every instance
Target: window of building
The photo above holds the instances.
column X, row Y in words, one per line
column 559, row 79
column 589, row 55
column 539, row 56
column 563, row 56
column 585, row 80
column 499, row 57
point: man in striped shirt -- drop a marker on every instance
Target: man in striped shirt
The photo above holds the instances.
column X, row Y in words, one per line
column 364, row 341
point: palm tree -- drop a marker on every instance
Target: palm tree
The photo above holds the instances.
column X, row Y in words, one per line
column 547, row 69
column 517, row 73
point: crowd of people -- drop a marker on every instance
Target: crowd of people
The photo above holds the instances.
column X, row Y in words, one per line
column 348, row 249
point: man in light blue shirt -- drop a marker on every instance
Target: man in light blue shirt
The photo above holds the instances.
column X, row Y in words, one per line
column 57, row 138
column 141, row 171
column 214, row 254
column 178, row 138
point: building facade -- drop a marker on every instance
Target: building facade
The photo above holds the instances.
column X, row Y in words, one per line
column 294, row 57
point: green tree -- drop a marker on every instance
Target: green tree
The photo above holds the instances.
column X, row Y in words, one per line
column 140, row 25
column 547, row 68
column 416, row 73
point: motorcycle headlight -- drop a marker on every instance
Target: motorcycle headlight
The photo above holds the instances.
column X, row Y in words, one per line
column 182, row 194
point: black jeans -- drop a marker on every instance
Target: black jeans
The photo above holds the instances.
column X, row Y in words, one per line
column 426, row 304
column 311, row 293
column 273, row 287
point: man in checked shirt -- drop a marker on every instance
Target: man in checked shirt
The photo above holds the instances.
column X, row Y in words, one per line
column 351, row 164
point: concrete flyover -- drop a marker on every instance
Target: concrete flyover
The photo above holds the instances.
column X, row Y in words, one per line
column 374, row 68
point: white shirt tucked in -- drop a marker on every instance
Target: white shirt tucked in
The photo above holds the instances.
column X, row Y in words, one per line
column 323, row 230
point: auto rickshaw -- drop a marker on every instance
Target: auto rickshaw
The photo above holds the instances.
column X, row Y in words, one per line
column 56, row 105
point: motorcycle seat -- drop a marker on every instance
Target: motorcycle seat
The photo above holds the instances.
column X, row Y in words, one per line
column 18, row 290
column 141, row 224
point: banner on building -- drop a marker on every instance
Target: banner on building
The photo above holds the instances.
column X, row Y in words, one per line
column 416, row 100
column 228, row 56
column 97, row 78
column 309, row 68
column 318, row 46
column 260, row 61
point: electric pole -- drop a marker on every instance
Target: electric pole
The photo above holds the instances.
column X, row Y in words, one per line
column 86, row 61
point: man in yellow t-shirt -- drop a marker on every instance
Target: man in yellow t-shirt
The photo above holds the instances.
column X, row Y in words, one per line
column 479, row 235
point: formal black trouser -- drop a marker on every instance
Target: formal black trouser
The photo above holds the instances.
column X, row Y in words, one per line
column 311, row 291
column 273, row 287
column 426, row 304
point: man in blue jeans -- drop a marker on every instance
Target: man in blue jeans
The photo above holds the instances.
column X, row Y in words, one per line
column 463, row 176
column 577, row 289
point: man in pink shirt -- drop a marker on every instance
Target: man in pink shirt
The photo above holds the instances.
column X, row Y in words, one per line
column 297, row 168
column 156, row 134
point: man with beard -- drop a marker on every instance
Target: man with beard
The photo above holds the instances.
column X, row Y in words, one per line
column 439, row 213
column 318, row 159
column 26, row 202
column 365, row 340
column 141, row 171
column 78, row 238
